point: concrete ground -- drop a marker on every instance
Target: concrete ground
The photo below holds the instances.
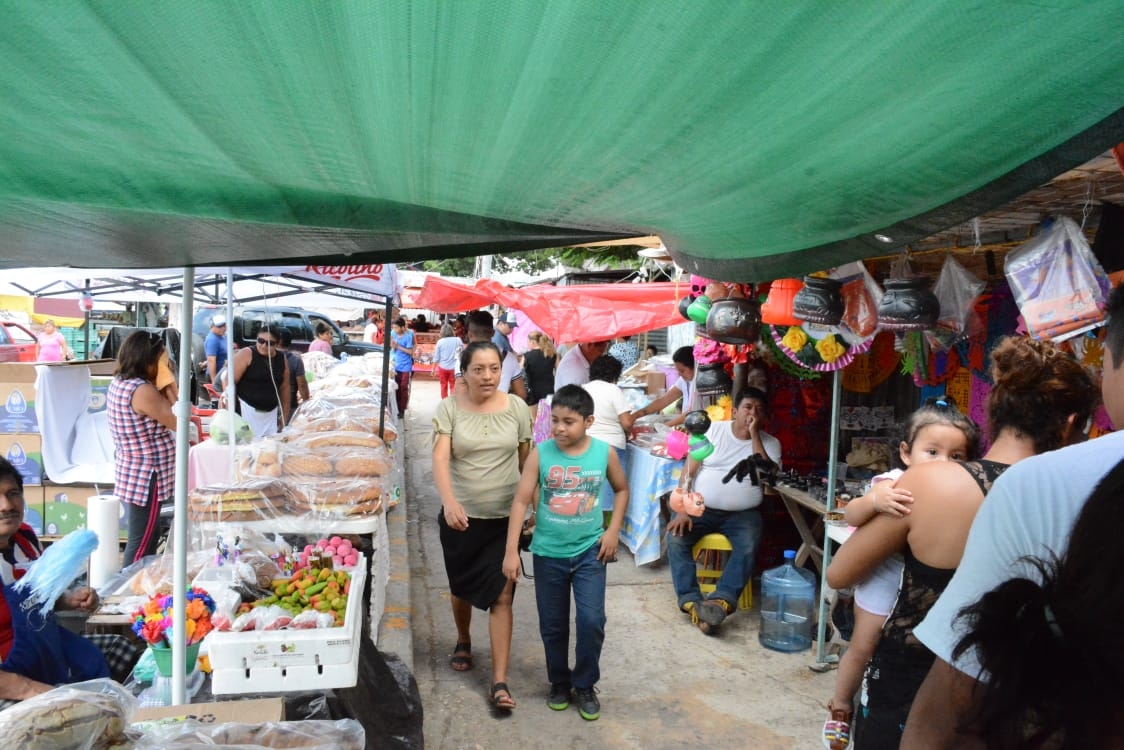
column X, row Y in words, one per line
column 663, row 683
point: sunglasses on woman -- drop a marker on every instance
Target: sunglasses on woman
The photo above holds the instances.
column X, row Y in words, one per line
column 266, row 342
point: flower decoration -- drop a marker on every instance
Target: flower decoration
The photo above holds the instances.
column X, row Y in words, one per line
column 795, row 338
column 833, row 351
column 830, row 349
column 710, row 352
column 153, row 621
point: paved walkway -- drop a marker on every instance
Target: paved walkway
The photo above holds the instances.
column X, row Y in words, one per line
column 664, row 684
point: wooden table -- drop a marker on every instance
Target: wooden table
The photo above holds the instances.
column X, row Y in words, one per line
column 801, row 507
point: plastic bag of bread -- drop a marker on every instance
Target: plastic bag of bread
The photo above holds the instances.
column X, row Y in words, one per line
column 248, row 500
column 89, row 715
column 309, row 734
column 153, row 574
column 336, row 454
column 259, row 459
column 326, row 497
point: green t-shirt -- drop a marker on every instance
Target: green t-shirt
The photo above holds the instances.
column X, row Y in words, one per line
column 569, row 518
column 485, row 461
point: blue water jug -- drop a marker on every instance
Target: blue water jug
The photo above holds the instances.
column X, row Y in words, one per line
column 788, row 595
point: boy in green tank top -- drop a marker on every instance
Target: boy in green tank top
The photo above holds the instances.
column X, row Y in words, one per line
column 571, row 547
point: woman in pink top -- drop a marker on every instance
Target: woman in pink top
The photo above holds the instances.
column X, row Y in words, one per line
column 323, row 342
column 52, row 345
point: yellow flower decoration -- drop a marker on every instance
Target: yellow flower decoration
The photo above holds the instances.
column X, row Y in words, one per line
column 795, row 338
column 829, row 348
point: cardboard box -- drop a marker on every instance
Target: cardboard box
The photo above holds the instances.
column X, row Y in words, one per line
column 64, row 507
column 25, row 451
column 17, row 398
column 258, row 711
column 656, row 382
column 17, row 391
column 33, row 508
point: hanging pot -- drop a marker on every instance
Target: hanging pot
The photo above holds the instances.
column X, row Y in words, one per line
column 698, row 309
column 712, row 380
column 696, row 422
column 701, row 447
column 908, row 305
column 777, row 310
column 684, row 304
column 820, row 301
column 734, row 321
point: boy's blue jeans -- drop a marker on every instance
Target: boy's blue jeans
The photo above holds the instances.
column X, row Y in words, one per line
column 742, row 528
column 554, row 577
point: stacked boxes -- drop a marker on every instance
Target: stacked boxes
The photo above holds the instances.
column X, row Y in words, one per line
column 51, row 509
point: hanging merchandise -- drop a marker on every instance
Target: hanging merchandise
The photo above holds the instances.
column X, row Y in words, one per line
column 870, row 370
column 820, row 351
column 820, row 301
column 957, row 291
column 1058, row 284
column 712, row 379
column 777, row 310
column 861, row 295
column 908, row 305
column 734, row 321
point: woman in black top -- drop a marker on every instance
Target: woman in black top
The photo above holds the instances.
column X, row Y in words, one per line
column 539, row 363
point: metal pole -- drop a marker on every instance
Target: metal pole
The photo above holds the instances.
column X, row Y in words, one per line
column 179, row 523
column 86, row 327
column 832, row 453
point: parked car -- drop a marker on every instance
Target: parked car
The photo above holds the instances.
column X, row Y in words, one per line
column 300, row 323
column 17, row 342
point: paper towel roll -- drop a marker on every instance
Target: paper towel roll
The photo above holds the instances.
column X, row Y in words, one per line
column 102, row 518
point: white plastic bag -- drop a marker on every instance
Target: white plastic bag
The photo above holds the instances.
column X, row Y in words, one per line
column 226, row 424
column 1059, row 286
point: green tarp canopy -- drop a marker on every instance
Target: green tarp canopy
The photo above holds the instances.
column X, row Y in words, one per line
column 757, row 138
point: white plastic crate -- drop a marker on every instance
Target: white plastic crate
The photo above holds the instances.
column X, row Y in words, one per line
column 287, row 660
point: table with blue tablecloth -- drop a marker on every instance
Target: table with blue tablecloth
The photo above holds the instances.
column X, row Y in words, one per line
column 649, row 477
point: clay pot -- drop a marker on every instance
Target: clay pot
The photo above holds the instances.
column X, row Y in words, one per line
column 684, row 304
column 908, row 305
column 697, row 310
column 734, row 321
column 696, row 422
column 701, row 448
column 716, row 290
column 777, row 310
column 712, row 380
column 820, row 301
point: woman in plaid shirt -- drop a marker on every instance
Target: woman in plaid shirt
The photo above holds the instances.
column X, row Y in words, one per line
column 143, row 428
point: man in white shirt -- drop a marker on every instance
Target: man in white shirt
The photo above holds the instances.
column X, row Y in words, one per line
column 574, row 367
column 1029, row 511
column 731, row 510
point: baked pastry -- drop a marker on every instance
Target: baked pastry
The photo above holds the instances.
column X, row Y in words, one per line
column 354, row 438
column 357, row 465
column 296, row 462
column 344, row 497
column 251, row 500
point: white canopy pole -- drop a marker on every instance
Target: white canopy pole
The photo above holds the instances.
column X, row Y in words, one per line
column 179, row 523
column 832, row 457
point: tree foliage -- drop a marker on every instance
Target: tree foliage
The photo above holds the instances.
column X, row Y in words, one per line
column 539, row 261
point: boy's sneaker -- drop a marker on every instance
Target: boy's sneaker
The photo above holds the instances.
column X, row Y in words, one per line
column 588, row 705
column 559, row 699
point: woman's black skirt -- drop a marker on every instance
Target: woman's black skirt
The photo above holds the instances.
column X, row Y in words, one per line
column 474, row 559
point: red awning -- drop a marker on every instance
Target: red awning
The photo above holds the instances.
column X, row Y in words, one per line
column 581, row 312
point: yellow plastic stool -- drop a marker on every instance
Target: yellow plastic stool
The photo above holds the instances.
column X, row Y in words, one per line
column 710, row 554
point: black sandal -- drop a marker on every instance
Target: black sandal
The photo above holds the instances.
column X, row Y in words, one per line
column 501, row 697
column 461, row 660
